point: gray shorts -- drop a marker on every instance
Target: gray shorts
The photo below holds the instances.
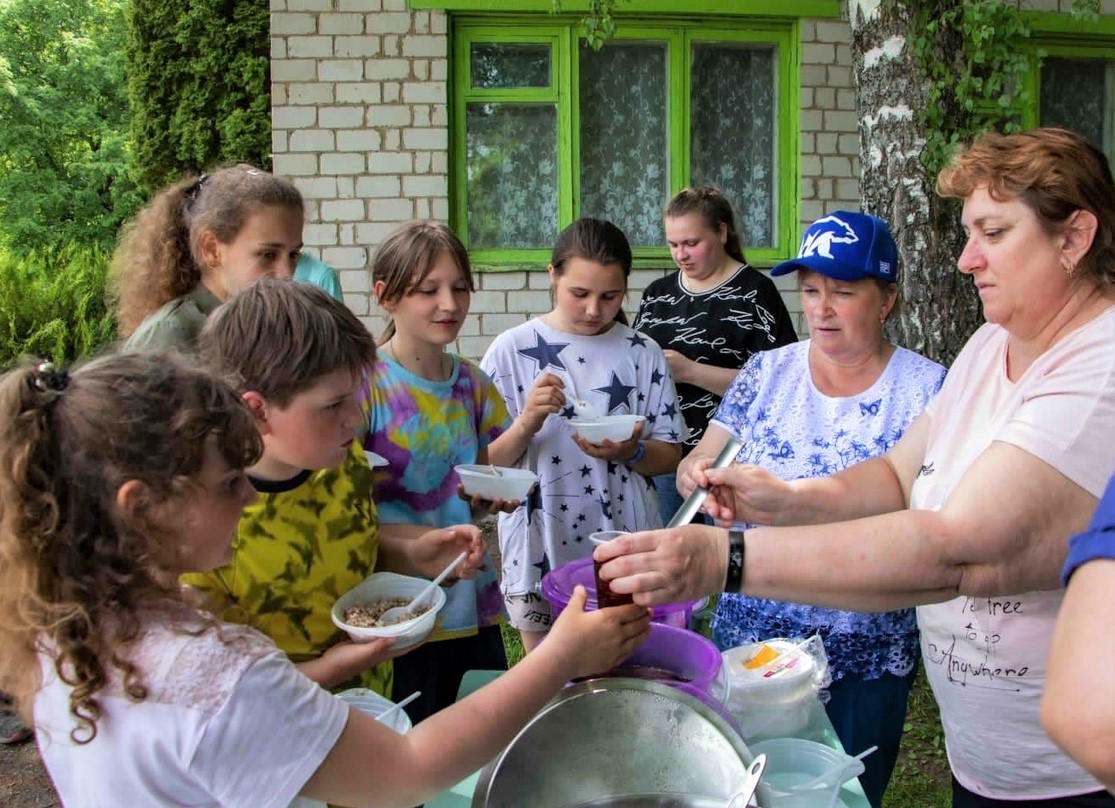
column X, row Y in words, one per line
column 529, row 612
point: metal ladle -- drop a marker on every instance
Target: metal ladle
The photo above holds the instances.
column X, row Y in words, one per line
column 696, row 499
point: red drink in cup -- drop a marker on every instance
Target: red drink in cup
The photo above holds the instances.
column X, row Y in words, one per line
column 604, row 595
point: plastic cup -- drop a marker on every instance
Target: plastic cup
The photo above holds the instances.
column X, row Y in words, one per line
column 604, row 595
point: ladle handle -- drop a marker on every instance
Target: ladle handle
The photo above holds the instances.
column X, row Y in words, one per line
column 695, row 500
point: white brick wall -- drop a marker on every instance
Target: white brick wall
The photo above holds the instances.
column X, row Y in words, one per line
column 360, row 123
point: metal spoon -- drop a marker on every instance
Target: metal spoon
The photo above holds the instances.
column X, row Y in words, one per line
column 742, row 797
column 398, row 613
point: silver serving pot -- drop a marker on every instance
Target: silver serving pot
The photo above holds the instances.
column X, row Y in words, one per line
column 618, row 743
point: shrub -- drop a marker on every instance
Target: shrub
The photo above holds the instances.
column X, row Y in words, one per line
column 53, row 304
column 199, row 78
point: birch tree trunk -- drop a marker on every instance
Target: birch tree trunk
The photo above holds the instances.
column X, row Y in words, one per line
column 939, row 306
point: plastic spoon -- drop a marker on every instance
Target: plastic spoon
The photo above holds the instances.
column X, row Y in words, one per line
column 787, row 655
column 398, row 613
column 581, row 408
column 816, row 781
column 743, row 794
column 390, row 711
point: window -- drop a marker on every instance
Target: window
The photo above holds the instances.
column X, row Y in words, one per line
column 1072, row 82
column 545, row 130
column 1078, row 92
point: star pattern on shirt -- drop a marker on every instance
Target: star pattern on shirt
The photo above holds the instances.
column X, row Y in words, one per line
column 555, row 460
column 656, row 376
column 586, row 471
column 637, row 339
column 670, row 410
column 546, row 354
column 616, row 391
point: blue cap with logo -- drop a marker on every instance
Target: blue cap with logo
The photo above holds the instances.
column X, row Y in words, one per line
column 846, row 246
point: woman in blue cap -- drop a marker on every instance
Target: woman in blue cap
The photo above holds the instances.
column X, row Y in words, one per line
column 811, row 409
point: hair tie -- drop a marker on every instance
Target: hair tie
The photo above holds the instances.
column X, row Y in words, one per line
column 195, row 189
column 48, row 377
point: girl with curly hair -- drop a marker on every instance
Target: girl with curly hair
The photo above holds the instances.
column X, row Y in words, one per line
column 114, row 480
column 195, row 245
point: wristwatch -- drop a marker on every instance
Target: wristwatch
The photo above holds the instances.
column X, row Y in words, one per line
column 734, row 580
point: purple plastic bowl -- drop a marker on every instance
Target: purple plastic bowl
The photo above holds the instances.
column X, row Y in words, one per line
column 557, row 588
column 682, row 652
column 678, row 651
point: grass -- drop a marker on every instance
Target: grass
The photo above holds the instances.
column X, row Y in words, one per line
column 921, row 778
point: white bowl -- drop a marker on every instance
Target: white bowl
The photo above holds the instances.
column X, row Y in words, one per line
column 389, row 585
column 375, row 705
column 607, row 427
column 508, row 484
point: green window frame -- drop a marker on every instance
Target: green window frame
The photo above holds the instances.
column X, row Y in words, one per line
column 558, row 34
column 1059, row 40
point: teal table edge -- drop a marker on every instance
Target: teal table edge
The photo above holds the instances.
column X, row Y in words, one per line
column 818, row 729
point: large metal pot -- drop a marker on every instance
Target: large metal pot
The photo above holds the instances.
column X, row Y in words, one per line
column 618, row 743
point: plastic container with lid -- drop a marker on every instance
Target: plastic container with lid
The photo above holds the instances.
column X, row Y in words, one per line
column 558, row 584
column 771, row 692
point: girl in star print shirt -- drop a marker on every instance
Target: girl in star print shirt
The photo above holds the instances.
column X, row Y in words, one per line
column 581, row 349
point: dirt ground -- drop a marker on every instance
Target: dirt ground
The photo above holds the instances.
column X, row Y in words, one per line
column 23, row 780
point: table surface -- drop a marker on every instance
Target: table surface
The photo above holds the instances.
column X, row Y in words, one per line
column 819, row 729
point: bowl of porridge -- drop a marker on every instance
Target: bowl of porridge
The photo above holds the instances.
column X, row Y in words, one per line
column 357, row 612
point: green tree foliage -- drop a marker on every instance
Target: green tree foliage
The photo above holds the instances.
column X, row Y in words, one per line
column 198, row 85
column 52, row 304
column 63, row 154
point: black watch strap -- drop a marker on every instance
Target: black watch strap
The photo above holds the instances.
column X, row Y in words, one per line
column 734, row 580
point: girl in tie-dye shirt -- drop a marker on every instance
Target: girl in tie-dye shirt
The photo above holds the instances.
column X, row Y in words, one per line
column 429, row 410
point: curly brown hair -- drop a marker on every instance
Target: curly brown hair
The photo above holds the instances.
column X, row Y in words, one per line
column 1055, row 172
column 77, row 575
column 159, row 259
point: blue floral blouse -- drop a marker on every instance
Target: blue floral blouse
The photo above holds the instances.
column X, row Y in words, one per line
column 794, row 431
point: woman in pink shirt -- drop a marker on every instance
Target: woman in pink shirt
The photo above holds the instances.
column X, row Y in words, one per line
column 968, row 516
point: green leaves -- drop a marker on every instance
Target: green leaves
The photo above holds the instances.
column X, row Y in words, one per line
column 198, row 85
column 63, row 152
column 969, row 51
column 599, row 25
column 52, row 304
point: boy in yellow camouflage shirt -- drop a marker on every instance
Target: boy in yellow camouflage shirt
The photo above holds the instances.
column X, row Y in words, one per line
column 298, row 357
